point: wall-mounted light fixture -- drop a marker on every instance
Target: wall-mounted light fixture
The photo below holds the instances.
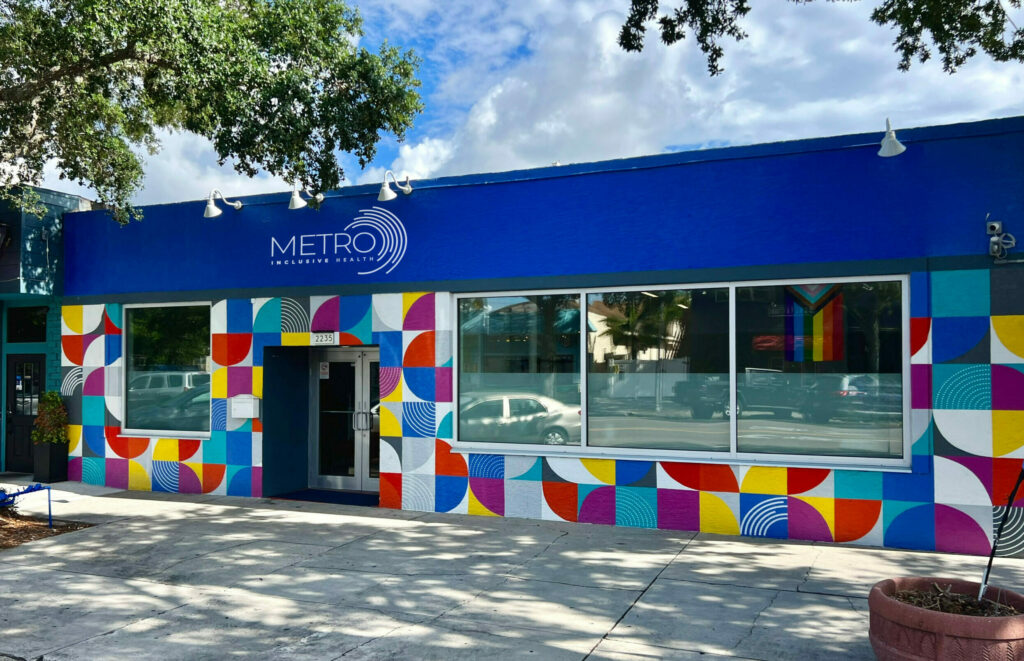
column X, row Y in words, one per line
column 999, row 242
column 212, row 210
column 890, row 145
column 297, row 202
column 386, row 194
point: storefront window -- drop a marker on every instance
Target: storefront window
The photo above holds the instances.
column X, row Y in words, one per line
column 819, row 369
column 658, row 369
column 519, row 369
column 26, row 324
column 167, row 368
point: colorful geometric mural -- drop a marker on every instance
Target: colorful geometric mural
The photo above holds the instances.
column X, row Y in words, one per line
column 967, row 422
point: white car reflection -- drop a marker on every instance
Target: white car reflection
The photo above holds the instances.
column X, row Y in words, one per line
column 518, row 418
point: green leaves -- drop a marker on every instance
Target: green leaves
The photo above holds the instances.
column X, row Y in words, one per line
column 276, row 85
column 51, row 423
column 957, row 29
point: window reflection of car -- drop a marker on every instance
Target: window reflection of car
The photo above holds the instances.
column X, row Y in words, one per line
column 759, row 389
column 518, row 418
column 188, row 411
column 156, row 387
column 853, row 396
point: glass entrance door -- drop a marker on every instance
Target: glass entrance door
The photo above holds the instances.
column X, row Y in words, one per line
column 345, row 425
column 24, row 383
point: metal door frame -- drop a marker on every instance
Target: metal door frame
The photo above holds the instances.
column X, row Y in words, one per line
column 361, row 358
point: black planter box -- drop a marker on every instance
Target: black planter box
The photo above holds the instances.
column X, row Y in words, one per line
column 50, row 462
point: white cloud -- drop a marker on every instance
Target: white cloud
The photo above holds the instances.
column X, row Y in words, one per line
column 523, row 84
column 185, row 169
column 804, row 71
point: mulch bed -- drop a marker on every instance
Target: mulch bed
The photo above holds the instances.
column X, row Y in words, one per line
column 16, row 529
column 944, row 600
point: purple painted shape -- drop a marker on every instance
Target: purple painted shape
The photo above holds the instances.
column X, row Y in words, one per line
column 678, row 509
column 257, row 481
column 490, row 491
column 921, row 386
column 1007, row 388
column 239, row 381
column 980, row 466
column 599, row 506
column 389, row 379
column 328, row 316
column 443, row 384
column 805, row 522
column 957, row 532
column 87, row 341
column 94, row 383
column 75, row 469
column 117, row 473
column 420, row 315
column 188, row 481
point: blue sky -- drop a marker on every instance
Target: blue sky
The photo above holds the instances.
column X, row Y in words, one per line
column 523, row 84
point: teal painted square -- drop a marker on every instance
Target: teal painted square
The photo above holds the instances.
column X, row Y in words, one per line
column 893, row 508
column 364, row 329
column 636, row 507
column 114, row 313
column 535, row 473
column 960, row 293
column 94, row 410
column 861, row 485
column 94, row 470
column 268, row 318
column 962, row 387
column 215, row 448
column 924, row 445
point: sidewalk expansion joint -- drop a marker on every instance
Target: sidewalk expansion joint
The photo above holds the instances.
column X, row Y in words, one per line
column 115, row 630
column 638, row 598
column 753, row 624
column 810, row 568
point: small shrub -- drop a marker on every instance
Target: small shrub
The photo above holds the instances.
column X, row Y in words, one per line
column 51, row 423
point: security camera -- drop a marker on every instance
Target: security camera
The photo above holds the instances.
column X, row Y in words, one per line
column 994, row 227
column 995, row 246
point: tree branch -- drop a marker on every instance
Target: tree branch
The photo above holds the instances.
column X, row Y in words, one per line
column 32, row 88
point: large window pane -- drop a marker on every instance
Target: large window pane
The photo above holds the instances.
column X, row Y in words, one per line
column 519, row 369
column 26, row 324
column 819, row 369
column 168, row 359
column 658, row 369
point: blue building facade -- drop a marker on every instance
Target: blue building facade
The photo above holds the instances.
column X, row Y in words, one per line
column 794, row 340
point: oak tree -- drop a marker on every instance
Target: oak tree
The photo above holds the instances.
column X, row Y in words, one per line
column 281, row 86
column 957, row 29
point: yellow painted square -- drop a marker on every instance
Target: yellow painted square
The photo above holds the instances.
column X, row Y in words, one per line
column 295, row 339
column 1007, row 432
column 716, row 516
column 257, row 381
column 765, row 479
column 219, row 383
column 72, row 317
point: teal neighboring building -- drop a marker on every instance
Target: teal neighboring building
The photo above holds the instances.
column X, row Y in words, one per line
column 31, row 285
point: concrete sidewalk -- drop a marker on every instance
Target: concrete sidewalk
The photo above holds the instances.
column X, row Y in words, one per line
column 188, row 577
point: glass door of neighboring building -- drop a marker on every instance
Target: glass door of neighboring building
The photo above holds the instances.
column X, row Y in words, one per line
column 24, row 385
column 345, row 424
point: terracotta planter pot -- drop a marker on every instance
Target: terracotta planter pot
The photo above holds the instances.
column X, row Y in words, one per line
column 901, row 631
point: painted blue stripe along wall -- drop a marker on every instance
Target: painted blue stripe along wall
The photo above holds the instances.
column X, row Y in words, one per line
column 824, row 200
